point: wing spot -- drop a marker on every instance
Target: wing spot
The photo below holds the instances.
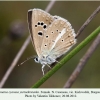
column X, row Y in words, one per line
column 35, row 25
column 53, row 41
column 42, row 23
column 47, row 36
column 38, row 23
column 45, row 45
column 49, row 22
column 71, row 41
column 45, row 26
column 40, row 33
column 69, row 35
column 62, row 40
column 52, row 32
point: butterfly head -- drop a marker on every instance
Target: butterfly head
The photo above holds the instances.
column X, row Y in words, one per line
column 44, row 59
column 36, row 59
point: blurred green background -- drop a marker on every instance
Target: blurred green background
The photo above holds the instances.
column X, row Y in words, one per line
column 30, row 72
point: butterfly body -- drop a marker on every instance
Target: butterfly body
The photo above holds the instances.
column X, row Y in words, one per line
column 52, row 36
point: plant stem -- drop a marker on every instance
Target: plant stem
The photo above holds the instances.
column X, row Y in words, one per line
column 67, row 57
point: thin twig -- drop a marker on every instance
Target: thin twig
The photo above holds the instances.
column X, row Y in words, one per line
column 88, row 21
column 82, row 62
column 17, row 57
column 75, row 72
column 50, row 5
column 13, row 64
column 80, row 65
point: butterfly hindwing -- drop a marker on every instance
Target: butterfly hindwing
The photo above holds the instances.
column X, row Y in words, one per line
column 38, row 21
column 59, row 38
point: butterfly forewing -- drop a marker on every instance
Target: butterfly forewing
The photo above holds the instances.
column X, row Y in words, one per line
column 59, row 38
column 49, row 37
column 38, row 21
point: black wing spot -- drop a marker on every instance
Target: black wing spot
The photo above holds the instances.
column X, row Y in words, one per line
column 62, row 40
column 45, row 26
column 35, row 25
column 45, row 45
column 40, row 33
column 49, row 22
column 52, row 32
column 38, row 23
column 57, row 30
column 42, row 23
column 47, row 36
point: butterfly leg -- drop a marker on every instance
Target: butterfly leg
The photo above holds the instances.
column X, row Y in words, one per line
column 48, row 66
column 58, row 62
column 43, row 69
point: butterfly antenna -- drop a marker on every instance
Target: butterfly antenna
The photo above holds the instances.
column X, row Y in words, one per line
column 26, row 60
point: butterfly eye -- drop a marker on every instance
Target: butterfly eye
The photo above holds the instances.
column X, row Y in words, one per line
column 36, row 60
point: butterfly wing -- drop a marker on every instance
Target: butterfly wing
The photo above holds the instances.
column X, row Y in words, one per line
column 60, row 37
column 38, row 21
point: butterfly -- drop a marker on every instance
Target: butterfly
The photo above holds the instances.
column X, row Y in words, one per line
column 51, row 36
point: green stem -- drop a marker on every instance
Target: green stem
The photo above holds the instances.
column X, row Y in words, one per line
column 67, row 57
